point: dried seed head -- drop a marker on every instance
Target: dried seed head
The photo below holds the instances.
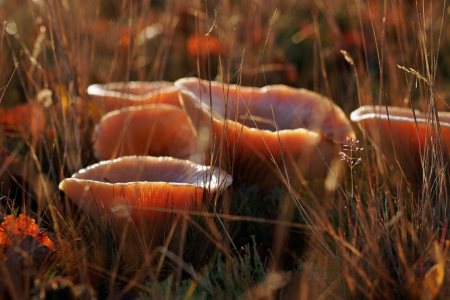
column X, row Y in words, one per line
column 351, row 161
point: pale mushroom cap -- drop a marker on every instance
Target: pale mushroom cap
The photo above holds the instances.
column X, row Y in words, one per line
column 396, row 114
column 117, row 95
column 402, row 123
column 399, row 135
column 293, row 108
column 128, row 185
column 155, row 129
column 307, row 123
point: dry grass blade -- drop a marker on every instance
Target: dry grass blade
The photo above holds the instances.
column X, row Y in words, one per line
column 414, row 72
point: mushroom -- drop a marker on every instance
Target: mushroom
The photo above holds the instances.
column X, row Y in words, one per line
column 401, row 134
column 117, row 95
column 131, row 186
column 155, row 129
column 243, row 128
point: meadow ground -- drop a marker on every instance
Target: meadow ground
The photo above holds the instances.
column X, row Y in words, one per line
column 378, row 233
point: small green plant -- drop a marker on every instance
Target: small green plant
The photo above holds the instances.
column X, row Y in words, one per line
column 218, row 281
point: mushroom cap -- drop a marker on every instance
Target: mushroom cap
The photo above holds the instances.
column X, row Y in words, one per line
column 399, row 133
column 117, row 95
column 306, row 122
column 128, row 185
column 155, row 129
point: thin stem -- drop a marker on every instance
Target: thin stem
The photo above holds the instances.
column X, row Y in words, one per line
column 351, row 165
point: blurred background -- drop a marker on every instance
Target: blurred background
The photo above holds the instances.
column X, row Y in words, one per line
column 72, row 44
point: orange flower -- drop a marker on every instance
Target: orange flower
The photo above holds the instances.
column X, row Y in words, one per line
column 44, row 240
column 20, row 226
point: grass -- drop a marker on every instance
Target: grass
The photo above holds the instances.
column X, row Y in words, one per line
column 376, row 236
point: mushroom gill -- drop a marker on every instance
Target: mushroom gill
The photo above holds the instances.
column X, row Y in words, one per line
column 131, row 186
column 117, row 95
column 307, row 126
column 397, row 135
column 155, row 129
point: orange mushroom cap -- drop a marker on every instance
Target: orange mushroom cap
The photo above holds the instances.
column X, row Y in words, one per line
column 117, row 95
column 155, row 129
column 305, row 120
column 132, row 185
column 400, row 133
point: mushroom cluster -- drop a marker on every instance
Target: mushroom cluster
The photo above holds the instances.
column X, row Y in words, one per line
column 156, row 138
column 145, row 128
